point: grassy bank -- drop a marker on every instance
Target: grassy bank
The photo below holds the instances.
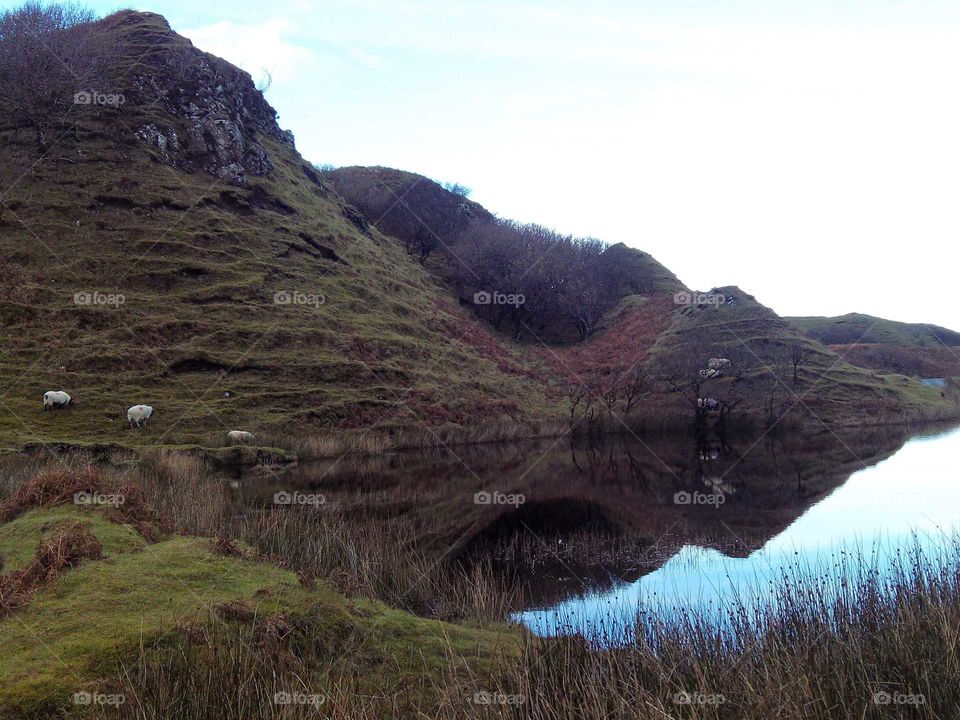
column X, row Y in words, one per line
column 187, row 609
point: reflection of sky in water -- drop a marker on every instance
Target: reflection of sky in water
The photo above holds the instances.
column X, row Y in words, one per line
column 911, row 497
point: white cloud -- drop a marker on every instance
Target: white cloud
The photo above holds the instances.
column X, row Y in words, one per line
column 266, row 47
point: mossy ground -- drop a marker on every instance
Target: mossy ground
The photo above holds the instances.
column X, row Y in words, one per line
column 77, row 629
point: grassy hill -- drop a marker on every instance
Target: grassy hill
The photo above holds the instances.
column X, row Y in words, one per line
column 176, row 250
column 359, row 333
column 858, row 328
column 762, row 377
column 909, row 348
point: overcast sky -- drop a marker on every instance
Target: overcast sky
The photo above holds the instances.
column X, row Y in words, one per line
column 806, row 151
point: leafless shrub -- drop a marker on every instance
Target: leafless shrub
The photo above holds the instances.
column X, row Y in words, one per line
column 48, row 55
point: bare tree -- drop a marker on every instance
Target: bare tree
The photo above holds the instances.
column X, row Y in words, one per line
column 564, row 284
column 611, row 395
column 421, row 242
column 265, row 82
column 47, row 61
column 634, row 384
column 580, row 395
column 457, row 189
column 799, row 354
column 777, row 369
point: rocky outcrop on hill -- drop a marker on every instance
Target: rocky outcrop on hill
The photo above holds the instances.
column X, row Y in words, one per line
column 196, row 111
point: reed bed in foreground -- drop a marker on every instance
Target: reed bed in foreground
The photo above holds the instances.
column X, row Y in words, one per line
column 844, row 642
column 835, row 641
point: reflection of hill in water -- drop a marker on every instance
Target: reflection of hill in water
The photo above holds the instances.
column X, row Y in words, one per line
column 593, row 515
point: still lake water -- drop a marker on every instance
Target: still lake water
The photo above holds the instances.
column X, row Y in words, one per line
column 909, row 500
column 663, row 521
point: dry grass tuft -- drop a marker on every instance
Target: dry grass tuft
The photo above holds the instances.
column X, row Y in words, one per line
column 228, row 547
column 67, row 547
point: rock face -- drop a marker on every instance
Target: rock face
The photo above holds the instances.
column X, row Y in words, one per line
column 200, row 112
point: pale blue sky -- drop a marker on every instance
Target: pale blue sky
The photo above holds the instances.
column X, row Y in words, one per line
column 807, row 151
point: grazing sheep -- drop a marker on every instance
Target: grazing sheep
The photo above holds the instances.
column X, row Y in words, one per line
column 240, row 437
column 53, row 399
column 139, row 414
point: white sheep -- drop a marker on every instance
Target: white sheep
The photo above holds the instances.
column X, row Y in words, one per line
column 240, row 437
column 53, row 399
column 139, row 414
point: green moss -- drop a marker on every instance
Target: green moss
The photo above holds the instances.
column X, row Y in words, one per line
column 76, row 629
column 19, row 538
column 72, row 628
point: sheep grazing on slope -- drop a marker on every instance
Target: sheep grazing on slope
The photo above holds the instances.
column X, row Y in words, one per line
column 240, row 437
column 138, row 415
column 54, row 399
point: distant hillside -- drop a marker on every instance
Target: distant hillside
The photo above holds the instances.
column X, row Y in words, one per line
column 909, row 348
column 653, row 331
column 859, row 328
column 174, row 249
column 566, row 284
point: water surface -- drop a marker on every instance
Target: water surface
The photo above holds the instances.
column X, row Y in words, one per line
column 593, row 531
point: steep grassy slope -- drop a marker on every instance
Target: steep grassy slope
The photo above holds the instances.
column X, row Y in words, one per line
column 177, row 251
column 908, row 348
column 366, row 337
